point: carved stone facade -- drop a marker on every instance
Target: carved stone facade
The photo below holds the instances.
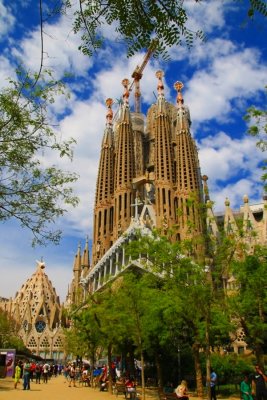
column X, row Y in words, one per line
column 152, row 159
column 148, row 170
column 36, row 309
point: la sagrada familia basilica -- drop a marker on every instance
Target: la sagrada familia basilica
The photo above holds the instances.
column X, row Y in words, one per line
column 148, row 169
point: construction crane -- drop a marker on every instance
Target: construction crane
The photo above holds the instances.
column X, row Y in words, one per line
column 137, row 75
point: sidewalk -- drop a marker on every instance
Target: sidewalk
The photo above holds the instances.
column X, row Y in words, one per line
column 55, row 389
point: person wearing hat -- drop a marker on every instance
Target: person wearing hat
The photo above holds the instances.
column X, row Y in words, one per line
column 72, row 375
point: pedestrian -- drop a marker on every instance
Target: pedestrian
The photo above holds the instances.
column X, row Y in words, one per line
column 66, row 372
column 72, row 375
column 45, row 372
column 213, row 383
column 182, row 391
column 38, row 371
column 17, row 374
column 32, row 371
column 259, row 380
column 245, row 389
column 26, row 375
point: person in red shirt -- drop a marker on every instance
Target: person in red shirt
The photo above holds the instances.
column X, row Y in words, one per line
column 130, row 387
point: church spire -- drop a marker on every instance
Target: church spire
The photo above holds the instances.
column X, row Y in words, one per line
column 188, row 177
column 211, row 224
column 125, row 110
column 124, row 167
column 164, row 172
column 161, row 102
column 103, row 212
column 230, row 226
column 86, row 258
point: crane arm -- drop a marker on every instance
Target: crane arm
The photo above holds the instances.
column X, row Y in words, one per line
column 138, row 73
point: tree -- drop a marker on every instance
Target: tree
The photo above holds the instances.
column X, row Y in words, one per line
column 137, row 22
column 9, row 333
column 257, row 6
column 197, row 304
column 249, row 301
column 84, row 337
column 258, row 128
column 31, row 193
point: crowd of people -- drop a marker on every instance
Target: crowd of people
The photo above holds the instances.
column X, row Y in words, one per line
column 252, row 387
column 34, row 372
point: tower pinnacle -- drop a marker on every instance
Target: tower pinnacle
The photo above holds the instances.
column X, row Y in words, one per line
column 109, row 114
column 125, row 82
column 179, row 86
column 160, row 87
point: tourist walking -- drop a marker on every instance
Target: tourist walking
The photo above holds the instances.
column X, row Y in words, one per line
column 38, row 372
column 72, row 375
column 213, row 382
column 17, row 374
column 259, row 380
column 45, row 372
column 245, row 389
column 26, row 375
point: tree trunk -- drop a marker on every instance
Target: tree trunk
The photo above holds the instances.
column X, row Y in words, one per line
column 259, row 355
column 208, row 363
column 143, row 376
column 159, row 371
column 196, row 348
column 109, row 368
column 92, row 366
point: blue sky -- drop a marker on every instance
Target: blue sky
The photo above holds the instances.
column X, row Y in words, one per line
column 222, row 78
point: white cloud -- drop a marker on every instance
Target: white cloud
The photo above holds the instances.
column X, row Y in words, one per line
column 211, row 91
column 17, row 265
column 107, row 83
column 60, row 50
column 235, row 193
column 210, row 51
column 86, row 125
column 206, row 15
column 224, row 159
column 6, row 71
column 7, row 20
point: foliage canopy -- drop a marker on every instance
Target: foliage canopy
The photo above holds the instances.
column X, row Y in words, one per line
column 32, row 191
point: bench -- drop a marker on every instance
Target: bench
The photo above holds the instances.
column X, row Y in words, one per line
column 119, row 388
column 167, row 396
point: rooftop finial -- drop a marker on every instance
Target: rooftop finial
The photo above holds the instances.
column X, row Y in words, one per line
column 179, row 86
column 245, row 198
column 40, row 264
column 109, row 114
column 205, row 187
column 126, row 93
column 227, row 202
column 160, row 87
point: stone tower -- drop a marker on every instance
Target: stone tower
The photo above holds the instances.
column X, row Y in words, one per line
column 149, row 177
column 37, row 311
column 149, row 160
column 81, row 266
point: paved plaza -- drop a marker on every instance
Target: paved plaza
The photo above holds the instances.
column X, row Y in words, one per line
column 58, row 389
column 55, row 389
